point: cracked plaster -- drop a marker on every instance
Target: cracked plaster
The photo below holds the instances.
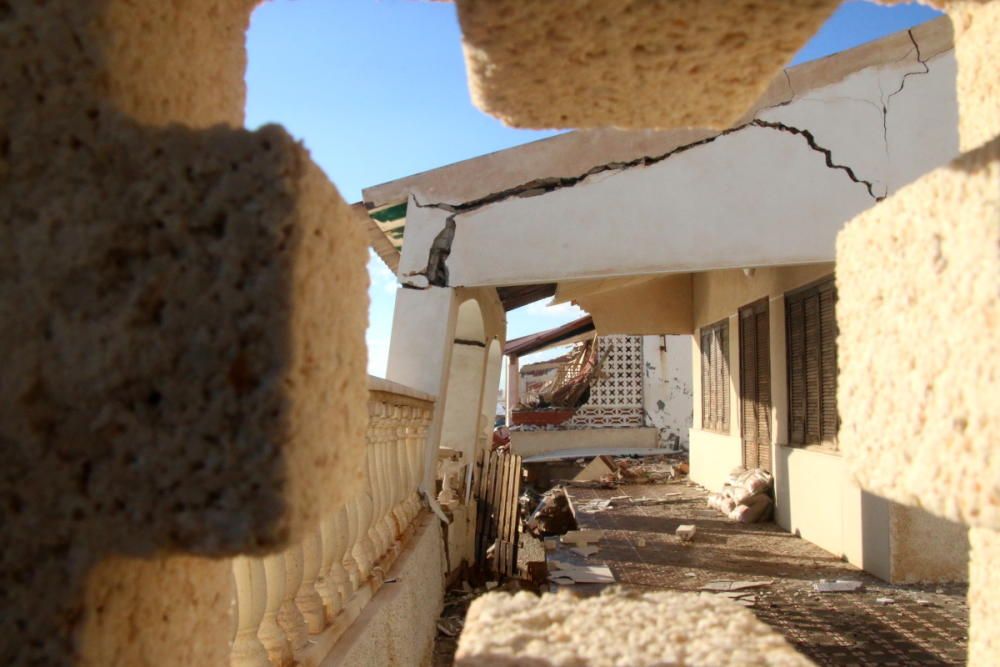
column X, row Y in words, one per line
column 897, row 129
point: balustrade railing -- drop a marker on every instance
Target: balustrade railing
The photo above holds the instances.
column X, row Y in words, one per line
column 292, row 607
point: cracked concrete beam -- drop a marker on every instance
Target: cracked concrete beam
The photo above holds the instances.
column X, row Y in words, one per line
column 976, row 25
column 629, row 63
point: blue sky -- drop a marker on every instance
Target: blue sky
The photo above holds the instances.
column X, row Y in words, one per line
column 376, row 90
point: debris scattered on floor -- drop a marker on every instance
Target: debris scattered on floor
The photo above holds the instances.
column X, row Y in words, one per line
column 586, row 550
column 582, row 537
column 640, row 543
column 567, row 574
column 686, row 532
column 746, row 496
column 838, row 586
column 735, row 585
column 598, row 468
column 450, row 626
column 553, row 515
column 885, row 600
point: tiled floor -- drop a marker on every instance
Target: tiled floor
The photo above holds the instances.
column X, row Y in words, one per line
column 921, row 625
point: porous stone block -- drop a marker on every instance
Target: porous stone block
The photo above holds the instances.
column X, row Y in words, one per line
column 918, row 349
column 984, row 605
column 170, row 612
column 155, row 62
column 617, row 628
column 182, row 315
column 629, row 63
column 182, row 311
column 977, row 27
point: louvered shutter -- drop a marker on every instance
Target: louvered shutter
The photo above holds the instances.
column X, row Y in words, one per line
column 715, row 377
column 763, row 344
column 811, row 324
column 828, row 365
column 748, row 387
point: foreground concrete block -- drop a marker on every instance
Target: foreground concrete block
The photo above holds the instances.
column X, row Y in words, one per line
column 984, row 605
column 182, row 315
column 617, row 628
column 169, row 612
column 629, row 63
column 918, row 349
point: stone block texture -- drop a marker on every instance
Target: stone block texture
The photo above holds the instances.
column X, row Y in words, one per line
column 182, row 315
column 984, row 606
column 173, row 612
column 629, row 63
column 617, row 628
column 918, row 349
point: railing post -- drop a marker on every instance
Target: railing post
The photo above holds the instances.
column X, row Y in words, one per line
column 289, row 617
column 307, row 598
column 270, row 633
column 326, row 584
column 251, row 593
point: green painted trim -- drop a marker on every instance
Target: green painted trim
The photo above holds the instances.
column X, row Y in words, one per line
column 389, row 214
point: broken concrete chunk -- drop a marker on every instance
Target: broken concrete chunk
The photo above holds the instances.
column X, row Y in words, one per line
column 838, row 586
column 686, row 532
column 585, row 551
column 599, row 468
column 629, row 63
column 735, row 585
column 582, row 536
column 582, row 574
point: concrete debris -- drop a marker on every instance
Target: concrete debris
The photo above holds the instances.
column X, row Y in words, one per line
column 586, row 550
column 553, row 515
column 451, row 626
column 686, row 532
column 724, row 585
column 582, row 537
column 599, row 468
column 640, row 543
column 838, row 586
column 884, row 601
column 568, row 575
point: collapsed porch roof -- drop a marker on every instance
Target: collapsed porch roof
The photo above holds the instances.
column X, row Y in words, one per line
column 549, row 338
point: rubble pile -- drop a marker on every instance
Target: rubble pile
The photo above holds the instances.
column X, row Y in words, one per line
column 746, row 496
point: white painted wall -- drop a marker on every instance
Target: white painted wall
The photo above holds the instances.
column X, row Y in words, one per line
column 755, row 197
column 816, row 498
column 666, row 388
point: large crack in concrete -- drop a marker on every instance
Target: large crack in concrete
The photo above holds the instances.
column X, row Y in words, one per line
column 436, row 271
column 902, row 84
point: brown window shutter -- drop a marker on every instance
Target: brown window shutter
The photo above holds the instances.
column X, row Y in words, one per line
column 796, row 373
column 828, row 365
column 763, row 343
column 812, row 348
column 748, row 387
column 715, row 376
column 706, row 381
column 811, row 324
column 723, row 334
column 755, row 385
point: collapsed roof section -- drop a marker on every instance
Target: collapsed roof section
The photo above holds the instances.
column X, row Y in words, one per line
column 565, row 334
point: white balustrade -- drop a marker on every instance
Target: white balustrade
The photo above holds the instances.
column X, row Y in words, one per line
column 303, row 598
